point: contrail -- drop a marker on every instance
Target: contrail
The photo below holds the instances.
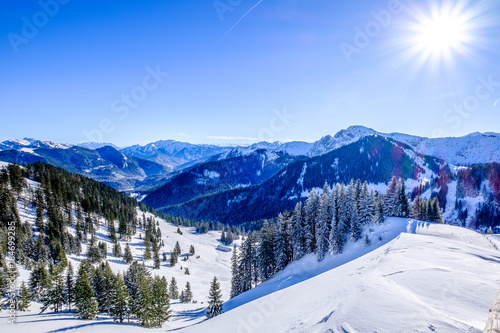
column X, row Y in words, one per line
column 496, row 102
column 241, row 18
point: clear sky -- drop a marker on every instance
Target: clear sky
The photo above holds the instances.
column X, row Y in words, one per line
column 240, row 70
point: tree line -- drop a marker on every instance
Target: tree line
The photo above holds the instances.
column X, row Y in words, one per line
column 322, row 225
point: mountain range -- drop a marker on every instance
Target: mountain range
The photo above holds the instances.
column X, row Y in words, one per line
column 244, row 183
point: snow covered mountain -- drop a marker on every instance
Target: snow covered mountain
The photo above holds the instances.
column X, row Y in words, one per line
column 174, row 153
column 29, row 143
column 470, row 149
column 96, row 145
column 374, row 159
column 105, row 164
column 219, row 175
column 437, row 278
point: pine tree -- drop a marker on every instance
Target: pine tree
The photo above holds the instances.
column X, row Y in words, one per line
column 416, row 209
column 391, row 198
column 69, row 292
column 247, row 266
column 147, row 250
column 117, row 250
column 404, row 208
column 173, row 258
column 173, row 290
column 236, row 287
column 121, row 304
column 160, row 304
column 54, row 296
column 93, row 253
column 266, row 260
column 379, row 215
column 311, row 213
column 365, row 206
column 128, row 254
column 133, row 278
column 342, row 221
column 323, row 223
column 39, row 281
column 23, row 301
column 39, row 221
column 177, row 249
column 188, row 293
column 85, row 303
column 214, row 299
column 298, row 236
column 284, row 246
column 156, row 258
column 192, row 250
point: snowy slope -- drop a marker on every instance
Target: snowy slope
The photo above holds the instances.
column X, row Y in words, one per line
column 203, row 266
column 441, row 279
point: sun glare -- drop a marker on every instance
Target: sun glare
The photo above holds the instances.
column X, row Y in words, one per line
column 441, row 33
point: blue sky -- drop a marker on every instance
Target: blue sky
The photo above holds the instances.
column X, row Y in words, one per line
column 241, row 71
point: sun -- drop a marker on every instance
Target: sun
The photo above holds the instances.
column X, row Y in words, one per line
column 441, row 33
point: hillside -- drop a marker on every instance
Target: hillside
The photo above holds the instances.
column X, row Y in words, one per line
column 217, row 176
column 441, row 278
column 374, row 159
column 111, row 219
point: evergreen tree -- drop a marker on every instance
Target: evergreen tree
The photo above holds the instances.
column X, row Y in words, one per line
column 173, row 290
column 379, row 215
column 177, row 249
column 311, row 213
column 39, row 281
column 365, row 206
column 284, row 244
column 54, row 296
column 188, row 293
column 128, row 254
column 134, row 278
column 117, row 250
column 160, row 304
column 236, row 287
column 173, row 258
column 192, row 250
column 23, row 302
column 156, row 258
column 85, row 303
column 147, row 250
column 323, row 224
column 93, row 253
column 298, row 235
column 121, row 304
column 403, row 200
column 391, row 198
column 214, row 299
column 69, row 287
column 266, row 260
column 416, row 209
